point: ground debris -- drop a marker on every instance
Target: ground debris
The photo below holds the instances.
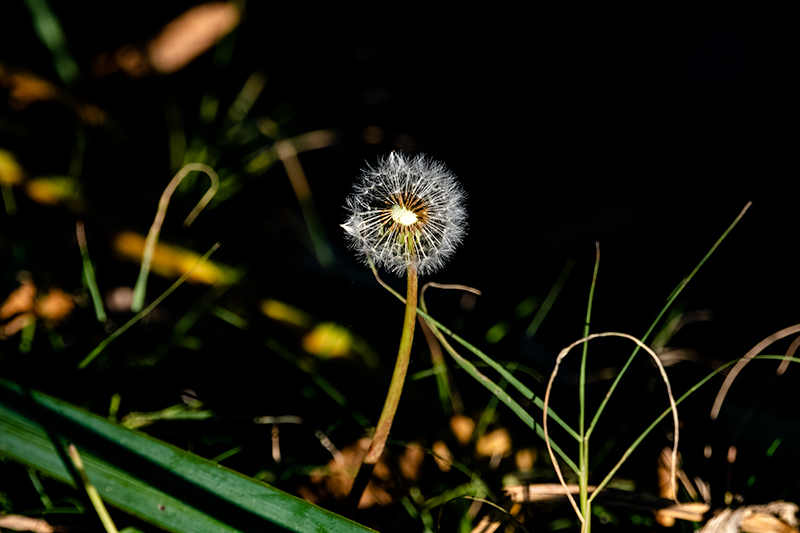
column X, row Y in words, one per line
column 774, row 517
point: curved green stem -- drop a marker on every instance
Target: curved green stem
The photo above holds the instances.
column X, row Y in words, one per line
column 392, row 399
column 399, row 374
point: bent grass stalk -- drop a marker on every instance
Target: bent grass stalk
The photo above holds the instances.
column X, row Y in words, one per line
column 583, row 512
column 749, row 356
column 784, row 360
column 152, row 235
column 723, row 391
column 437, row 328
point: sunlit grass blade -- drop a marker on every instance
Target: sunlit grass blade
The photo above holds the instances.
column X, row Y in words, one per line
column 156, row 482
column 91, row 490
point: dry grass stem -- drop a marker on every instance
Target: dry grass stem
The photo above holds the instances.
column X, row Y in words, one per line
column 673, row 408
column 789, row 354
column 448, row 286
column 757, row 349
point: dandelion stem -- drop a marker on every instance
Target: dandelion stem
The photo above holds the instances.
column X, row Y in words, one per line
column 399, row 375
column 392, row 397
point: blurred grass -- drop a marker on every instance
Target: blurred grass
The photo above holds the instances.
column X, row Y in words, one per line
column 174, row 489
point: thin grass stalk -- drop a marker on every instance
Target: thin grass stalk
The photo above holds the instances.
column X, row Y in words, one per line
column 502, row 395
column 297, row 178
column 152, row 236
column 673, row 407
column 550, row 299
column 448, row 396
column 583, row 448
column 94, row 496
column 146, row 311
column 525, row 391
column 678, row 401
column 723, row 391
column 675, row 293
column 726, row 385
column 88, row 274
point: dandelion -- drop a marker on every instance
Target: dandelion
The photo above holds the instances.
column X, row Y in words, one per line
column 406, row 212
column 405, row 215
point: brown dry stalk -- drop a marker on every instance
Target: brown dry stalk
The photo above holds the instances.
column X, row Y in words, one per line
column 673, row 408
column 757, row 349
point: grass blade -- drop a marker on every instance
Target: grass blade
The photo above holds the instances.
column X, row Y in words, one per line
column 517, row 384
column 102, row 346
column 88, row 275
column 502, row 395
column 670, row 300
column 525, row 391
column 171, row 488
column 152, row 236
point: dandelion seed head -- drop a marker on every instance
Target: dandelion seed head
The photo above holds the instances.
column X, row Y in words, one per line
column 406, row 211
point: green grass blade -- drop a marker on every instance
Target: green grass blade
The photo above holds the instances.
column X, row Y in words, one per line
column 485, row 381
column 88, row 275
column 583, row 448
column 49, row 30
column 549, row 299
column 91, row 491
column 141, row 314
column 171, row 488
column 678, row 401
column 501, row 394
column 670, row 300
column 584, row 356
column 517, row 384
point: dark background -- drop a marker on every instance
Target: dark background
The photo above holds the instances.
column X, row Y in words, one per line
column 644, row 126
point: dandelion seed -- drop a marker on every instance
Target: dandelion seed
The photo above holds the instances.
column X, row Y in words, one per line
column 406, row 211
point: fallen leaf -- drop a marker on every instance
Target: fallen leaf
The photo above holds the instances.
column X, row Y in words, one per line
column 25, row 523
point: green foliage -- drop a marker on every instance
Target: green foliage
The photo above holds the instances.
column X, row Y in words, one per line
column 171, row 488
